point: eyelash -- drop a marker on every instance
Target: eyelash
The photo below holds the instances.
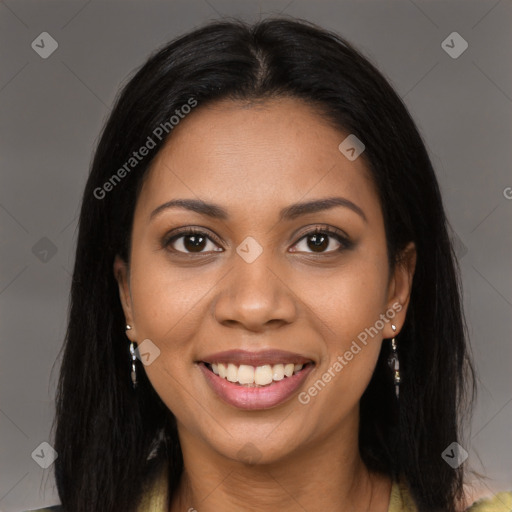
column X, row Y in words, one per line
column 345, row 243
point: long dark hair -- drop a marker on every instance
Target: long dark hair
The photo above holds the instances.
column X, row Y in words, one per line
column 104, row 430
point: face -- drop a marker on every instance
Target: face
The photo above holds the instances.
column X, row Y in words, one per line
column 228, row 313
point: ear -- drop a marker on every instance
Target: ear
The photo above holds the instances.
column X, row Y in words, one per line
column 121, row 273
column 399, row 289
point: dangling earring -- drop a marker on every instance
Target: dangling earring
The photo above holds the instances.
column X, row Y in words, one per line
column 394, row 364
column 133, row 356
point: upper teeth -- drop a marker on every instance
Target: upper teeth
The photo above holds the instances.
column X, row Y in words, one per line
column 259, row 375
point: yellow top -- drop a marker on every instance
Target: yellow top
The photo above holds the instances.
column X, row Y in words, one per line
column 400, row 500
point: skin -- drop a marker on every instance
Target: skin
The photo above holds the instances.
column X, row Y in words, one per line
column 254, row 160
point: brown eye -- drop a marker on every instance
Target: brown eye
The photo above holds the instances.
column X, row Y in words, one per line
column 190, row 242
column 322, row 241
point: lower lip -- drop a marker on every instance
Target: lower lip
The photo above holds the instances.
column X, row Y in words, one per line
column 248, row 398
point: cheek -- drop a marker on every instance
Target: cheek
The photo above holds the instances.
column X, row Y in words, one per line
column 349, row 299
column 167, row 308
column 352, row 347
column 167, row 299
column 349, row 306
column 167, row 311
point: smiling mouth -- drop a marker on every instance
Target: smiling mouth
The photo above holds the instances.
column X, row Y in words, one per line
column 255, row 376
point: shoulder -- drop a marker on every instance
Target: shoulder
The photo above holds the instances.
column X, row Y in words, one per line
column 501, row 502
column 401, row 501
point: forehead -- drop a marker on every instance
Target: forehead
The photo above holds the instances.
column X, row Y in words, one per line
column 268, row 153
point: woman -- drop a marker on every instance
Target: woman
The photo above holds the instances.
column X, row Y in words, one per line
column 265, row 309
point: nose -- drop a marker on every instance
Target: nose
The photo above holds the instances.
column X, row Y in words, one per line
column 255, row 296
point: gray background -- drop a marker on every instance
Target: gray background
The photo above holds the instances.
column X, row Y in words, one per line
column 52, row 111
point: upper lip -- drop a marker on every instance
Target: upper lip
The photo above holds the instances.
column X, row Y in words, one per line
column 259, row 358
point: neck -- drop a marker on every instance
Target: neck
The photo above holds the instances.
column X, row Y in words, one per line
column 311, row 478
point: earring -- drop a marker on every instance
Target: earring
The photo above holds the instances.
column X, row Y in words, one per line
column 133, row 372
column 133, row 355
column 394, row 364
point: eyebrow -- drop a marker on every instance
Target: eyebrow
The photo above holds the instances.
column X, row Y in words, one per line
column 289, row 213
